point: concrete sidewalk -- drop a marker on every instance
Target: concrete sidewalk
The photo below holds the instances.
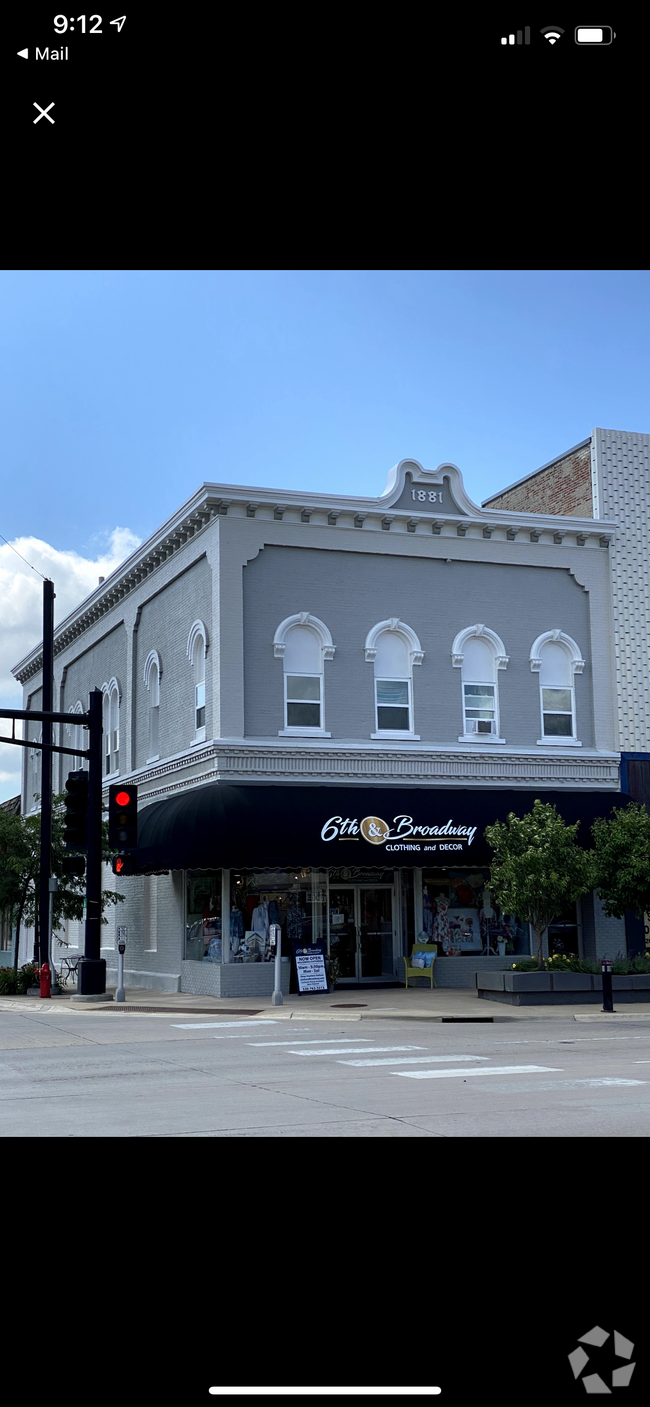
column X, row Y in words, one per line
column 394, row 1004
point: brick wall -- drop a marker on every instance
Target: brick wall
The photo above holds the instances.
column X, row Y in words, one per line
column 563, row 488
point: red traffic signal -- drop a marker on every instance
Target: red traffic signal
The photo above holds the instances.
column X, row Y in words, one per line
column 125, row 864
column 122, row 817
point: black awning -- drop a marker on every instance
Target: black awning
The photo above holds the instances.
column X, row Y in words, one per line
column 273, row 826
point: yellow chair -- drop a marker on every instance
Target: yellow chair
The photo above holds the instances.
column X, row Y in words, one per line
column 421, row 971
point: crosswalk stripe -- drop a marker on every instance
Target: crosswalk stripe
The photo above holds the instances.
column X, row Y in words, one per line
column 411, row 1059
column 331, row 1040
column 483, row 1070
column 346, row 1050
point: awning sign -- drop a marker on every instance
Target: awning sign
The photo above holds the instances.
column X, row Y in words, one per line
column 401, row 833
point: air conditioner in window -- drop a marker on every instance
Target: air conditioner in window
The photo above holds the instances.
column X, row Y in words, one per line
column 480, row 725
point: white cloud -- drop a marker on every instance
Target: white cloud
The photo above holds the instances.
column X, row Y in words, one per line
column 21, row 612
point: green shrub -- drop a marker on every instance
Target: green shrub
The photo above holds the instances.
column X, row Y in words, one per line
column 27, row 976
column 7, row 981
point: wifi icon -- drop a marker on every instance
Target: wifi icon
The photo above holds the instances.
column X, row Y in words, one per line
column 552, row 32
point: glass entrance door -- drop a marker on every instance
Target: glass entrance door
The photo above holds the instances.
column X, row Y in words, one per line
column 361, row 931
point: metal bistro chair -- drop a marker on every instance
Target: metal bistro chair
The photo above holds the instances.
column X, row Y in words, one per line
column 69, row 967
column 411, row 971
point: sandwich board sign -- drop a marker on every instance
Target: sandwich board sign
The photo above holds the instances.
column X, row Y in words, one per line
column 310, row 967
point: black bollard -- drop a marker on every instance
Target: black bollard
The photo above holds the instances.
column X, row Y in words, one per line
column 606, row 969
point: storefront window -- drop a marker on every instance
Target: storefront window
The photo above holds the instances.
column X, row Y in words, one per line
column 459, row 916
column 294, row 899
column 203, row 915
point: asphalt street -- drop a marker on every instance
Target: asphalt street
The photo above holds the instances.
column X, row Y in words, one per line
column 122, row 1074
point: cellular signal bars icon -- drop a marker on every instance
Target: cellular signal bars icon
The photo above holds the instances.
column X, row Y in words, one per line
column 522, row 37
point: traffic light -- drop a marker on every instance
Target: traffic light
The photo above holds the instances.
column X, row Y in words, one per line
column 123, row 818
column 74, row 864
column 75, row 834
column 125, row 864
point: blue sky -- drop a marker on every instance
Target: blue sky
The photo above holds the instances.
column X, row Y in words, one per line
column 122, row 391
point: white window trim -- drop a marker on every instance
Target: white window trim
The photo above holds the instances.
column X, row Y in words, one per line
column 328, row 649
column 416, row 656
column 396, row 733
column 109, row 690
column 501, row 659
column 292, row 730
column 153, row 658
column 577, row 664
column 198, row 631
column 475, row 738
column 571, row 741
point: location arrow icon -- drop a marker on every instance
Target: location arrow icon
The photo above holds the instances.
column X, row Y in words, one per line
column 23, row 53
column 119, row 22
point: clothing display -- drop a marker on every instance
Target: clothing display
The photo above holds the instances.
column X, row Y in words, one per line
column 236, row 928
column 427, row 914
column 260, row 920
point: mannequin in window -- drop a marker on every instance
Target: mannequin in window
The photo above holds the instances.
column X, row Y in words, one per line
column 236, row 928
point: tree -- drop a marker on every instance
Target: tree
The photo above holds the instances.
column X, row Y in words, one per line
column 20, row 863
column 622, row 858
column 538, row 866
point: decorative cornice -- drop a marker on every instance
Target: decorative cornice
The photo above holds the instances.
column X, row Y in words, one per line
column 258, row 762
column 218, row 500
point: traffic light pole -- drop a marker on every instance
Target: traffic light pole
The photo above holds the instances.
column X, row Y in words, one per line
column 91, row 973
column 46, row 775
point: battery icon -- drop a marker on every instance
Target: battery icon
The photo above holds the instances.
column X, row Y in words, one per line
column 594, row 34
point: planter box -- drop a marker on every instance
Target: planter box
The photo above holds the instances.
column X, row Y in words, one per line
column 527, row 981
column 571, row 981
column 559, row 988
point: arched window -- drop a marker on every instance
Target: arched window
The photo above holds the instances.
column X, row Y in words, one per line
column 556, row 658
column 34, row 782
column 393, row 648
column 303, row 643
column 152, row 673
column 197, row 649
column 111, row 722
column 479, row 652
column 75, row 733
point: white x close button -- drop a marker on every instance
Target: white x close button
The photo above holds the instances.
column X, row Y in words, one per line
column 43, row 112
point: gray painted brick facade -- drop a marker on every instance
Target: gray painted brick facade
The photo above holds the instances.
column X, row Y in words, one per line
column 351, row 593
column 243, row 560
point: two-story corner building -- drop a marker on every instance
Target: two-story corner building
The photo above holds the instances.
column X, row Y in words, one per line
column 324, row 701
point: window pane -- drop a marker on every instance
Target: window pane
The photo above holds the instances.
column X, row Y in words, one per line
column 480, row 696
column 200, row 718
column 559, row 699
column 303, row 715
column 558, row 725
column 393, row 719
column 392, row 691
column 200, row 695
column 303, row 686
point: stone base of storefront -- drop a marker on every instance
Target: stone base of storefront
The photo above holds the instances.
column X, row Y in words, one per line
column 152, row 981
column 232, row 979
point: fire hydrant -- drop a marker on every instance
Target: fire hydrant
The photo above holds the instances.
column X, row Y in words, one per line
column 46, row 980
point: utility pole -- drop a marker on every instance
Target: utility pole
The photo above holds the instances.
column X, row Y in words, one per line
column 91, row 973
column 46, row 774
